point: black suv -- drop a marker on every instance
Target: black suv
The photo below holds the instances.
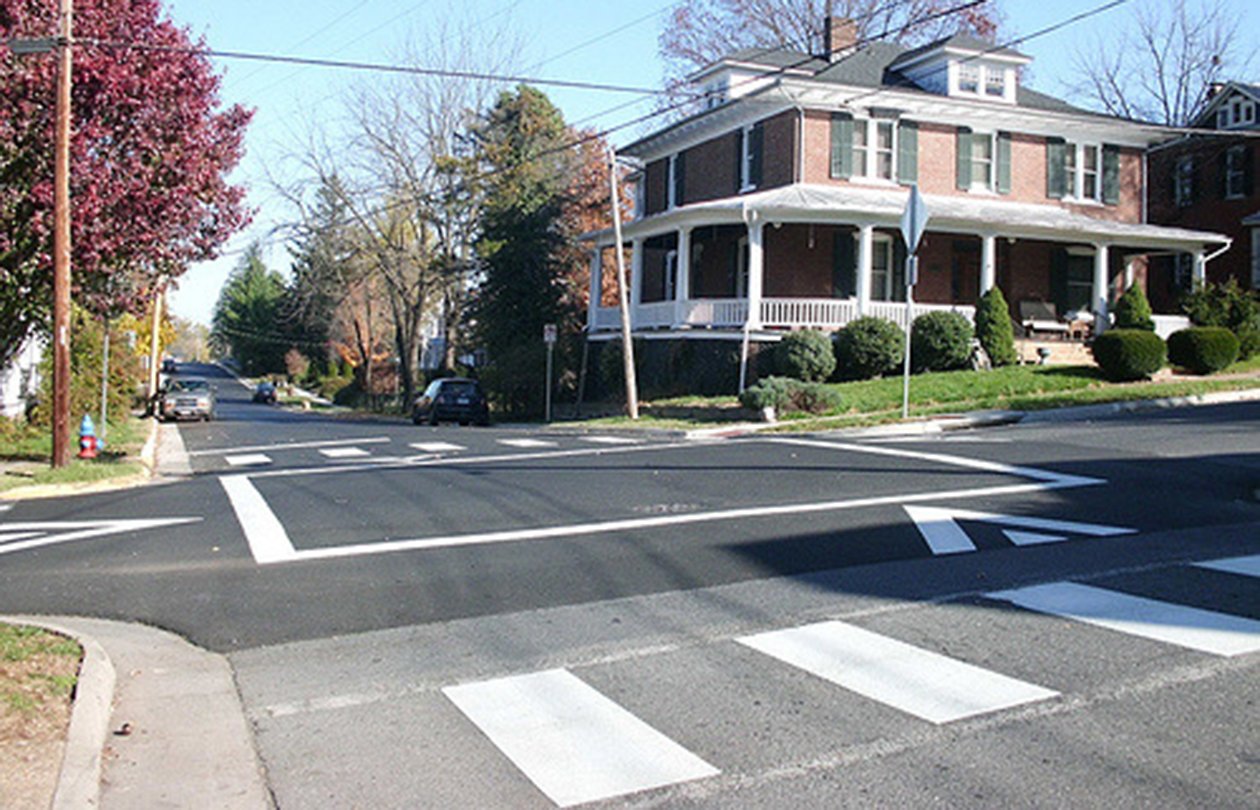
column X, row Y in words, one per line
column 451, row 399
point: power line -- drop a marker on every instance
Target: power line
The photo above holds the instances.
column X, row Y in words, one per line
column 366, row 66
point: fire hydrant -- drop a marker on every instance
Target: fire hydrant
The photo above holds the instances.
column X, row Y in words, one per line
column 87, row 438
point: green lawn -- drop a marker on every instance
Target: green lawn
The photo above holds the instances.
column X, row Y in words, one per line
column 25, row 452
column 1020, row 388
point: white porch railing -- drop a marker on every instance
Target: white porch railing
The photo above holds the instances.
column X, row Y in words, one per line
column 776, row 313
column 1165, row 325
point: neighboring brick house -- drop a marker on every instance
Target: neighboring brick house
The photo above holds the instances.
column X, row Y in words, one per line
column 777, row 206
column 1208, row 181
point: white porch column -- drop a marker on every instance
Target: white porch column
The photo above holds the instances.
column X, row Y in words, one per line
column 1130, row 272
column 682, row 286
column 988, row 263
column 636, row 279
column 1098, row 295
column 596, row 288
column 866, row 252
column 756, row 271
column 1199, row 269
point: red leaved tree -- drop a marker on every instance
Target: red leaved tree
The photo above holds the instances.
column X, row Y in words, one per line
column 150, row 153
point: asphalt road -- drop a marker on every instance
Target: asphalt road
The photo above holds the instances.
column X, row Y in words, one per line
column 381, row 588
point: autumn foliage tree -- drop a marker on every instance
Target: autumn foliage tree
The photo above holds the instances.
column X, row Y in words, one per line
column 150, row 152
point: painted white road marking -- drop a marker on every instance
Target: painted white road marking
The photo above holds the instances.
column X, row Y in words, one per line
column 572, row 742
column 23, row 536
column 1247, row 566
column 527, row 443
column 928, row 685
column 344, row 452
column 610, row 440
column 437, row 447
column 1195, row 628
column 939, row 527
column 248, row 460
column 268, row 541
column 219, row 451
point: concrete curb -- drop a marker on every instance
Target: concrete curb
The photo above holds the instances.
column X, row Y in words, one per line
column 1085, row 412
column 79, row 781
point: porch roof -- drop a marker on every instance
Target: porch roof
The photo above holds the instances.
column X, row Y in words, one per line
column 854, row 204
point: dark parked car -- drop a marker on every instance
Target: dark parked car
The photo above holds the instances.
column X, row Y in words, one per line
column 187, row 398
column 169, row 366
column 451, row 399
column 265, row 393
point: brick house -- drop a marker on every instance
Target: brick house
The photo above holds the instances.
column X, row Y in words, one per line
column 1207, row 181
column 777, row 206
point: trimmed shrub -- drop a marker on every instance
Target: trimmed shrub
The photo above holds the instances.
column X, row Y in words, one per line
column 1202, row 349
column 1133, row 311
column 940, row 341
column 994, row 328
column 1230, row 306
column 787, row 395
column 1128, row 354
column 868, row 347
column 805, row 355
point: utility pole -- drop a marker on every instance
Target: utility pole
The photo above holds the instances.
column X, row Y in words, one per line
column 627, row 345
column 61, row 246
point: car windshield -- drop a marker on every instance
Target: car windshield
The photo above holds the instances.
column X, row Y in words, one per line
column 189, row 385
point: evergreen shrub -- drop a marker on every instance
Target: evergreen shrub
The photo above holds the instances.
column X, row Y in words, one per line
column 787, row 395
column 940, row 341
column 868, row 347
column 1128, row 354
column 1133, row 311
column 1202, row 349
column 805, row 355
column 1230, row 306
column 994, row 329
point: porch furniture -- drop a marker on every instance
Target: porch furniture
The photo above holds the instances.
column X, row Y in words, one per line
column 1041, row 316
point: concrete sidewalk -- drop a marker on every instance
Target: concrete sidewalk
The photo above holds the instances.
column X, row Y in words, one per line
column 157, row 722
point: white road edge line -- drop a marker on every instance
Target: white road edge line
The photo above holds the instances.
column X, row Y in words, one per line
column 221, row 451
column 574, row 743
column 268, row 541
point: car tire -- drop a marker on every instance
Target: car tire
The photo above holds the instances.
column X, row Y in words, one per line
column 433, row 418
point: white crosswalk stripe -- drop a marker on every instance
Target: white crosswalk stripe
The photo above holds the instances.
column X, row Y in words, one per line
column 437, row 447
column 343, row 452
column 572, row 742
column 916, row 681
column 248, row 460
column 527, row 443
column 1194, row 628
column 611, row 440
column 1247, row 566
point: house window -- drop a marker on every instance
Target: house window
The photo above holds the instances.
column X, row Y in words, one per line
column 750, row 157
column 874, row 147
column 1081, row 169
column 981, row 161
column 1080, row 283
column 1183, row 181
column 670, row 280
column 1249, row 113
column 1236, row 172
column 1089, row 172
column 861, row 148
column 1222, row 118
column 1237, row 115
column 882, row 286
column 674, row 186
column 884, row 150
column 995, row 82
column 1183, row 272
column 968, row 78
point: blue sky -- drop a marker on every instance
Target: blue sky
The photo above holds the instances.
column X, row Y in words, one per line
column 601, row 42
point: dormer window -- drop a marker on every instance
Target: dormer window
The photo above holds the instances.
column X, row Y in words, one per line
column 963, row 66
column 968, row 78
column 995, row 82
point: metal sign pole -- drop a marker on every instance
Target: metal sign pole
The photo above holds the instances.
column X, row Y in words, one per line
column 913, row 223
column 912, row 265
column 549, row 337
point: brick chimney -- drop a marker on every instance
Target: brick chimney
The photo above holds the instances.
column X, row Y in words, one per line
column 839, row 35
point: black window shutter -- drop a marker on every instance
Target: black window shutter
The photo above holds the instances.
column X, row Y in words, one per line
column 964, row 158
column 755, row 139
column 739, row 160
column 1004, row 163
column 841, row 145
column 680, row 178
column 907, row 152
column 1056, row 168
column 843, row 265
column 1111, row 174
column 898, row 270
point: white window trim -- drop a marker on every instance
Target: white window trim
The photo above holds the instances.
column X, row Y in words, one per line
column 976, row 185
column 1076, row 184
column 745, row 161
column 880, row 243
column 671, row 275
column 741, row 268
column 871, row 127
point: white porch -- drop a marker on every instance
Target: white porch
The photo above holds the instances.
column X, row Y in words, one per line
column 772, row 313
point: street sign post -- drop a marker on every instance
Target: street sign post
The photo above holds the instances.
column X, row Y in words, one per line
column 549, row 337
column 913, row 223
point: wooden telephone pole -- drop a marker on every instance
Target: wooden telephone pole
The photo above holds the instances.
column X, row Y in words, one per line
column 61, row 246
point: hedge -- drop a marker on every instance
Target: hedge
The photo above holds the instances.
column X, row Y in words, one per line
column 868, row 347
column 787, row 395
column 1128, row 354
column 994, row 329
column 1203, row 349
column 805, row 355
column 940, row 341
